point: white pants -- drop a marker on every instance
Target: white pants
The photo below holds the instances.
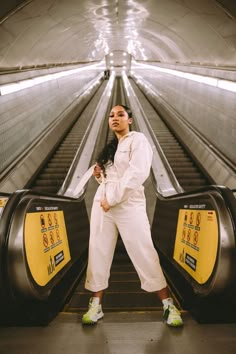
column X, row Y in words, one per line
column 130, row 220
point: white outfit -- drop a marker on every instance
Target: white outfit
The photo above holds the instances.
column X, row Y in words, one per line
column 125, row 194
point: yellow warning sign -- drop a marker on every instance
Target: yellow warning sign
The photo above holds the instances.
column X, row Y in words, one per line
column 3, row 202
column 196, row 242
column 46, row 244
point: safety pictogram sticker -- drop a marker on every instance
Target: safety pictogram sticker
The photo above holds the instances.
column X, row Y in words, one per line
column 198, row 219
column 42, row 221
column 195, row 238
column 58, row 235
column 184, row 233
column 55, row 219
column 49, row 220
column 189, row 235
column 45, row 240
column 51, row 237
column 191, row 218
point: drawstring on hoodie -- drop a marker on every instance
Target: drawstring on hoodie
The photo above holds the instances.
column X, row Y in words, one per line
column 103, row 187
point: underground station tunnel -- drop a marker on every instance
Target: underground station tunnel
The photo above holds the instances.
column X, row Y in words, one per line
column 71, row 73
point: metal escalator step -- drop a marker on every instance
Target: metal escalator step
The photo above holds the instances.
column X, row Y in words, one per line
column 55, row 170
column 190, row 187
column 171, row 146
column 60, row 154
column 167, row 140
column 131, row 286
column 182, row 164
column 46, row 189
column 60, row 158
column 48, row 182
column 69, row 146
column 129, row 276
column 180, row 159
column 118, row 301
column 174, row 153
column 192, row 181
column 58, row 164
column 69, row 149
column 185, row 168
column 135, row 301
column 50, row 176
column 190, row 176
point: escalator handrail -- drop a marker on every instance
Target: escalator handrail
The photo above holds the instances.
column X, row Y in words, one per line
column 165, row 180
column 83, row 156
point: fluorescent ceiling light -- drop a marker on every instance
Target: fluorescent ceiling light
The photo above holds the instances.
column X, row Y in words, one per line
column 227, row 85
column 223, row 84
column 21, row 85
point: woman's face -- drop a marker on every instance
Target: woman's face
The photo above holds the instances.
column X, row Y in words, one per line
column 119, row 120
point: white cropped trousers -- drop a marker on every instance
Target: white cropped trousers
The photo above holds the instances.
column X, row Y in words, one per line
column 128, row 218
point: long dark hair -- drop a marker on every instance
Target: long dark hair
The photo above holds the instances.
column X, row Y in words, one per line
column 106, row 156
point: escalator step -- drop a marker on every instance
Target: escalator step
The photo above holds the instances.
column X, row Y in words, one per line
column 55, row 170
column 50, row 176
column 48, row 183
column 46, row 189
column 192, row 181
column 58, row 164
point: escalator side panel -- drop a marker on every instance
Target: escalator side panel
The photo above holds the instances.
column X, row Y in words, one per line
column 24, row 296
column 186, row 260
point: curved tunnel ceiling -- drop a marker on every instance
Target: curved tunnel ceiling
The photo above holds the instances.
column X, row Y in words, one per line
column 41, row 32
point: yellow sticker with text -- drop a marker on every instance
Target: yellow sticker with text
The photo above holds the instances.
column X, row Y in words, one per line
column 3, row 202
column 196, row 242
column 46, row 244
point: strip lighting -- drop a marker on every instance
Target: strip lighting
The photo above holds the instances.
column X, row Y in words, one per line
column 21, row 85
column 220, row 83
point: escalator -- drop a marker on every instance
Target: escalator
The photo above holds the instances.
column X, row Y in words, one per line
column 188, row 172
column 28, row 298
column 52, row 175
column 124, row 292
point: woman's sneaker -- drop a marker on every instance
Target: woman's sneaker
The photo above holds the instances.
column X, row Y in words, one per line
column 172, row 315
column 94, row 312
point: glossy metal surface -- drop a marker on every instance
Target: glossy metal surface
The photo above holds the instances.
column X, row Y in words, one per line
column 82, row 159
column 221, row 171
column 165, row 180
column 19, row 277
column 169, row 31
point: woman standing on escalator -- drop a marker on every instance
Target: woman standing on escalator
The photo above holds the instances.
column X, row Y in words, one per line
column 119, row 207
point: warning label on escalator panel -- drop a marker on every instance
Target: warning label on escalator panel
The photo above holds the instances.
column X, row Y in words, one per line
column 3, row 202
column 196, row 242
column 46, row 244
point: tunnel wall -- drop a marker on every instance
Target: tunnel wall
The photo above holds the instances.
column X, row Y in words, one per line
column 9, row 5
column 27, row 113
column 209, row 109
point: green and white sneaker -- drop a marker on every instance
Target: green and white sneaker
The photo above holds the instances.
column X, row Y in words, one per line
column 94, row 312
column 172, row 315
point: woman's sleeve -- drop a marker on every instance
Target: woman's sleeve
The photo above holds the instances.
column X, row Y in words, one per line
column 137, row 172
column 99, row 179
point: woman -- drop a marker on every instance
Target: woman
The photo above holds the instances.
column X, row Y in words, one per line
column 120, row 207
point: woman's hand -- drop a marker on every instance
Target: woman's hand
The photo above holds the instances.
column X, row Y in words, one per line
column 104, row 204
column 97, row 171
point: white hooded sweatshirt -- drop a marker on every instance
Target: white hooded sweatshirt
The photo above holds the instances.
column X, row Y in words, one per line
column 131, row 167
